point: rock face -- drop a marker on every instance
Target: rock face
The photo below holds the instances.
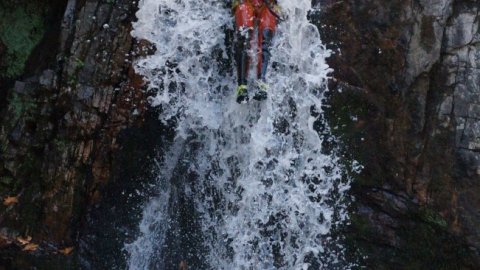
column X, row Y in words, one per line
column 408, row 73
column 60, row 124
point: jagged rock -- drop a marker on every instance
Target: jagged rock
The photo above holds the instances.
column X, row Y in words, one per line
column 420, row 100
column 48, row 79
column 24, row 88
column 60, row 126
column 85, row 93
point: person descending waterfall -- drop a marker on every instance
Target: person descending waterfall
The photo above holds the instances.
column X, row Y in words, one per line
column 250, row 13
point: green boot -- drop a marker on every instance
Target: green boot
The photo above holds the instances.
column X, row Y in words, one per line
column 242, row 94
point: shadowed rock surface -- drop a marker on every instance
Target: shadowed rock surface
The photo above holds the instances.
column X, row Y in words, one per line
column 405, row 101
column 61, row 121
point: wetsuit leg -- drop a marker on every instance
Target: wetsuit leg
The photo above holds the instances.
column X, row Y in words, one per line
column 266, row 43
column 241, row 55
column 267, row 27
column 244, row 23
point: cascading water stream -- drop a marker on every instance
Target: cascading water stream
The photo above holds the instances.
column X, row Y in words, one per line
column 243, row 186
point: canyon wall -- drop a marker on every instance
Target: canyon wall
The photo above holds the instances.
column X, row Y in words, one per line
column 404, row 99
column 68, row 92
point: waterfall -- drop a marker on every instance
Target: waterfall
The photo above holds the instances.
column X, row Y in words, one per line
column 243, row 186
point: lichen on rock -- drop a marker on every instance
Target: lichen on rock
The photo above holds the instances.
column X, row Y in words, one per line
column 21, row 28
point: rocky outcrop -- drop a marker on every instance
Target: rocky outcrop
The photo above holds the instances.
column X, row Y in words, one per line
column 405, row 100
column 61, row 121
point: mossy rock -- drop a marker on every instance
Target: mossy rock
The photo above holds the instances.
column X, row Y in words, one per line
column 21, row 29
column 22, row 106
column 6, row 180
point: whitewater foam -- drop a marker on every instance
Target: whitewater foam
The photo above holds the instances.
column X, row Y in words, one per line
column 265, row 194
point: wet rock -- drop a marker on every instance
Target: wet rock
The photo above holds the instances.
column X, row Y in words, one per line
column 419, row 99
column 16, row 134
column 60, row 125
column 24, row 88
column 462, row 30
column 85, row 92
column 48, row 79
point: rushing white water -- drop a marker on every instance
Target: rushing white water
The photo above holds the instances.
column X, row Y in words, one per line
column 264, row 194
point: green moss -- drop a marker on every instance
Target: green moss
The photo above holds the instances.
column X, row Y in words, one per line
column 3, row 142
column 79, row 64
column 22, row 106
column 348, row 118
column 60, row 144
column 30, row 173
column 422, row 239
column 434, row 218
column 423, row 243
column 430, row 246
column 72, row 80
column 20, row 32
column 422, row 246
column 6, row 180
